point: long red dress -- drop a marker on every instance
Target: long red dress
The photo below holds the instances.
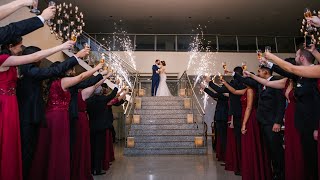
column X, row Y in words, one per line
column 81, row 160
column 109, row 153
column 252, row 153
column 52, row 158
column 231, row 156
column 294, row 163
column 319, row 138
column 10, row 143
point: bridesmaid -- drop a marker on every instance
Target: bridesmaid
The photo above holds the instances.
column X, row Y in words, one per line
column 10, row 143
column 252, row 154
column 56, row 164
column 81, row 161
column 109, row 152
column 294, row 162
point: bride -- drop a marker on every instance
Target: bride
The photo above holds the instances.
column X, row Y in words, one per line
column 163, row 89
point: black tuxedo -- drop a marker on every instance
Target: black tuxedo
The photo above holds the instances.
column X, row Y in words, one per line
column 98, row 116
column 271, row 108
column 20, row 28
column 155, row 80
column 235, row 110
column 220, row 117
column 306, row 117
column 32, row 106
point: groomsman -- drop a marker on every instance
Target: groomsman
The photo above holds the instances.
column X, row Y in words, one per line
column 306, row 115
column 220, row 118
column 98, row 115
column 235, row 111
column 270, row 113
column 23, row 27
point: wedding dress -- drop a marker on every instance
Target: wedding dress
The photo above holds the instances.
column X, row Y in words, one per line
column 163, row 89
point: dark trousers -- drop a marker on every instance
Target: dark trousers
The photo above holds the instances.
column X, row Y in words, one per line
column 214, row 142
column 221, row 130
column 98, row 146
column 237, row 133
column 154, row 86
column 274, row 142
column 29, row 137
column 310, row 153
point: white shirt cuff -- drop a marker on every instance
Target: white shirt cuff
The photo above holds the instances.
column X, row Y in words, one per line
column 116, row 86
column 270, row 64
column 233, row 73
column 41, row 18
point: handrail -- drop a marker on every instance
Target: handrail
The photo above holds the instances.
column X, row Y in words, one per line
column 133, row 95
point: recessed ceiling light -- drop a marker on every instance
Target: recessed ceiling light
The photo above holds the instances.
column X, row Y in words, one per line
column 189, row 17
column 228, row 17
column 111, row 16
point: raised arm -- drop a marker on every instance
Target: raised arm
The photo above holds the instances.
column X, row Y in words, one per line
column 8, row 9
column 302, row 71
column 247, row 111
column 248, row 81
column 68, row 82
column 217, row 88
column 26, row 59
column 278, row 84
column 232, row 90
column 87, row 92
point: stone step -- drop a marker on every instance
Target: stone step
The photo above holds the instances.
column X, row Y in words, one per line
column 162, row 112
column 163, row 127
column 157, row 132
column 162, row 103
column 165, row 151
column 163, row 116
column 164, row 138
column 163, row 107
column 187, row 144
column 162, row 98
column 163, row 121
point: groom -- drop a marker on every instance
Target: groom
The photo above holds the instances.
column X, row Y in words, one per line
column 155, row 78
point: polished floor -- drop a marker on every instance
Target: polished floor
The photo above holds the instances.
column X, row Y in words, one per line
column 166, row 167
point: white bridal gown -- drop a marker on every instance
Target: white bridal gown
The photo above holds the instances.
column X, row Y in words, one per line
column 163, row 89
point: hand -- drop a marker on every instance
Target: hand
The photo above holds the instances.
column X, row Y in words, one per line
column 231, row 124
column 314, row 21
column 276, row 127
column 67, row 45
column 267, row 56
column 243, row 129
column 26, row 2
column 247, row 74
column 48, row 13
column 83, row 53
column 311, row 48
column 99, row 66
column 315, row 135
column 223, row 81
column 202, row 86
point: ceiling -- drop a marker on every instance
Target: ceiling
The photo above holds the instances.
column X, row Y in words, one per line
column 226, row 17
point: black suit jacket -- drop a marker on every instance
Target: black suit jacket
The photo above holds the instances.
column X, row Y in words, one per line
column 29, row 89
column 110, row 114
column 235, row 108
column 20, row 28
column 98, row 113
column 271, row 102
column 307, row 98
column 222, row 107
column 155, row 75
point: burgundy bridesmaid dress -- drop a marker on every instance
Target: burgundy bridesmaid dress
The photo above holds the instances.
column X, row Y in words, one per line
column 10, row 143
column 52, row 158
column 294, row 163
column 230, row 158
column 253, row 162
column 81, row 160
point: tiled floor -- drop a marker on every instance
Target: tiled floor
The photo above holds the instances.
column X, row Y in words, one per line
column 166, row 167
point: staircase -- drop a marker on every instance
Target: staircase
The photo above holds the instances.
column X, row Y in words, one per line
column 161, row 127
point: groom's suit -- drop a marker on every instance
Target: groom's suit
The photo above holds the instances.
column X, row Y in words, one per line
column 155, row 80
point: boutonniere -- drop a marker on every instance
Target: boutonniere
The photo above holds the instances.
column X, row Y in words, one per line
column 299, row 85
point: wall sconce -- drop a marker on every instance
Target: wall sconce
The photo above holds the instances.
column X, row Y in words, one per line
column 130, row 142
column 198, row 141
column 190, row 118
column 137, row 102
column 187, row 103
column 136, row 119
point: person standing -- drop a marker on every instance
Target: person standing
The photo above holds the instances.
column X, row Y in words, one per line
column 155, row 77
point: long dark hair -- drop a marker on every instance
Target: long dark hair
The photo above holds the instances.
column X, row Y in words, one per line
column 5, row 48
column 47, row 83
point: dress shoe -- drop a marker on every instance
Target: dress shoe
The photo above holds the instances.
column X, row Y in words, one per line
column 237, row 173
column 97, row 173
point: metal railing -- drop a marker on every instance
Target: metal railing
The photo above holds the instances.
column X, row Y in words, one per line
column 197, row 109
column 214, row 42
